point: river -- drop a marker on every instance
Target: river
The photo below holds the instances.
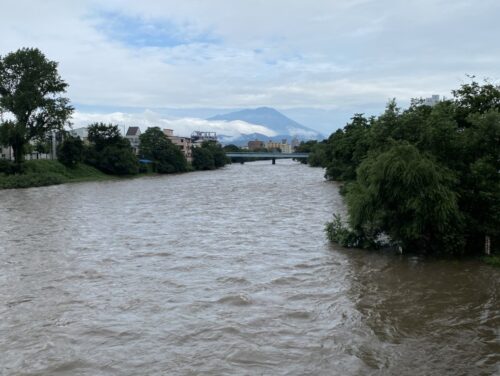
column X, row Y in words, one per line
column 226, row 272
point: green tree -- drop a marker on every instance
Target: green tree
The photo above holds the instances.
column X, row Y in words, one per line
column 109, row 151
column 70, row 151
column 426, row 176
column 118, row 159
column 409, row 197
column 102, row 135
column 30, row 89
column 203, row 159
column 208, row 156
column 156, row 146
column 231, row 148
column 347, row 148
column 218, row 154
column 315, row 159
column 475, row 98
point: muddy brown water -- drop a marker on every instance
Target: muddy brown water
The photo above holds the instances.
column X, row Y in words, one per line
column 226, row 272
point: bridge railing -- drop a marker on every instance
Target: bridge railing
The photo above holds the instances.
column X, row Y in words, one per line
column 266, row 155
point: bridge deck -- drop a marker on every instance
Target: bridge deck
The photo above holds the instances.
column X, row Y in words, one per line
column 266, row 155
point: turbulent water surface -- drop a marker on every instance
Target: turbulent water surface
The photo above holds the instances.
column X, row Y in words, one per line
column 226, row 273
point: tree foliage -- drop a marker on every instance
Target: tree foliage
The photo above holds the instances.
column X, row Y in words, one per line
column 30, row 89
column 427, row 177
column 409, row 197
column 167, row 157
column 209, row 156
column 70, row 151
column 109, row 151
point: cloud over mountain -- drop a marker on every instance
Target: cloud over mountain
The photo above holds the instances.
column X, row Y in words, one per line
column 181, row 126
column 270, row 118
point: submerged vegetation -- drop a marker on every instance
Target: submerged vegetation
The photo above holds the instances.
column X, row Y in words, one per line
column 424, row 179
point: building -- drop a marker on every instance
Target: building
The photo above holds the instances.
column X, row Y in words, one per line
column 6, row 152
column 132, row 135
column 198, row 137
column 284, row 147
column 184, row 143
column 432, row 101
column 82, row 133
column 256, row 145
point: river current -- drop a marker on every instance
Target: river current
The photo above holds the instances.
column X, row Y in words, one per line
column 226, row 272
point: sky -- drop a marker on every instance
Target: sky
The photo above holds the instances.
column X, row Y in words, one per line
column 174, row 63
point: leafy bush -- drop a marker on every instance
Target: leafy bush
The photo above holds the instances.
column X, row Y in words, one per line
column 109, row 151
column 167, row 157
column 338, row 232
column 493, row 260
column 203, row 159
column 7, row 167
column 70, row 152
column 117, row 160
column 209, row 156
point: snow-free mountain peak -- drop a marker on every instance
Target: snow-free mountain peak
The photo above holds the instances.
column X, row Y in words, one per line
column 281, row 125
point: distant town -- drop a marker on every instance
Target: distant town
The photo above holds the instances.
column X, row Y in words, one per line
column 185, row 143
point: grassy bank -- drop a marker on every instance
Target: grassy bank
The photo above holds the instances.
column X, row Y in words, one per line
column 493, row 260
column 45, row 172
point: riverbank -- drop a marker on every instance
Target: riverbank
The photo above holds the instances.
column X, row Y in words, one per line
column 41, row 173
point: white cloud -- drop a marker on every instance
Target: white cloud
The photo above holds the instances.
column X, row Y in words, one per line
column 181, row 126
column 327, row 54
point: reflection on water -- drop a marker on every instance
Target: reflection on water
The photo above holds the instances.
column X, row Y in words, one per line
column 225, row 272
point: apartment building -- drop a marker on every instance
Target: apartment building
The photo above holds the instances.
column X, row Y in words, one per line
column 184, row 143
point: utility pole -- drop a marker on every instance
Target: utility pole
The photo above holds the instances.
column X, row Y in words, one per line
column 487, row 245
column 54, row 146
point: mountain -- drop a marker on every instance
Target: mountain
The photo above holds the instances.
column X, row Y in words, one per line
column 283, row 126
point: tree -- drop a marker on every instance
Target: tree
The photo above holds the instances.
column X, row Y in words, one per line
column 231, row 148
column 427, row 176
column 156, row 146
column 70, row 152
column 346, row 148
column 30, row 89
column 475, row 98
column 118, row 159
column 409, row 197
column 109, row 151
column 203, row 159
column 209, row 156
column 218, row 154
column 102, row 135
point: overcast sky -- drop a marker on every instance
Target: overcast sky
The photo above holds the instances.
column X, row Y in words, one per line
column 317, row 61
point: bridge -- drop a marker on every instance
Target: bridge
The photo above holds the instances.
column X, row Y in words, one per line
column 271, row 155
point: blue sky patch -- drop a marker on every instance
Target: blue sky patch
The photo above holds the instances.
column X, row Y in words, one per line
column 141, row 32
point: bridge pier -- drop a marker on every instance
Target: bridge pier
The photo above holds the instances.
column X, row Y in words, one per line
column 274, row 160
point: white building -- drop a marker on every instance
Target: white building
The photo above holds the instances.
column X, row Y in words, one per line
column 132, row 135
column 283, row 146
column 432, row 101
column 6, row 152
column 82, row 133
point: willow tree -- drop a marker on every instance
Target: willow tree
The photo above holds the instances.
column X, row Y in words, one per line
column 30, row 98
column 408, row 196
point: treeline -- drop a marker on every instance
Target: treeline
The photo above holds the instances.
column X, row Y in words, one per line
column 110, row 152
column 424, row 179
